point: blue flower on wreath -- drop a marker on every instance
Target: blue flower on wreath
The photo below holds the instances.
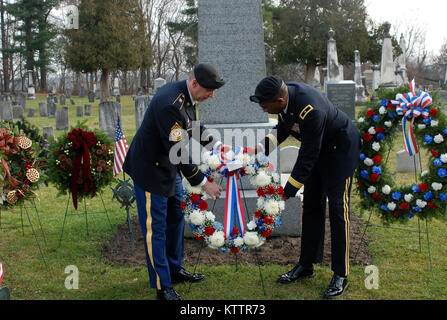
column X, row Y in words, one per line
column 428, row 139
column 193, row 227
column 362, row 157
column 427, row 121
column 384, row 208
column 417, row 209
column 365, row 194
column 278, row 222
column 364, row 174
column 415, row 189
column 262, row 158
column 410, row 215
column 442, row 172
column 375, row 118
column 445, row 131
column 428, row 196
column 437, row 162
column 443, row 197
column 380, row 136
column 392, row 115
column 376, row 169
column 223, row 249
column 217, row 226
column 396, row 196
column 385, row 103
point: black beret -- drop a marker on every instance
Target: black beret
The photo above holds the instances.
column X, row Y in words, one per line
column 267, row 89
column 207, row 76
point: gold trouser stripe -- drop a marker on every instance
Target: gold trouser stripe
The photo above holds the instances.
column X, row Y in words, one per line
column 273, row 139
column 295, row 183
column 347, row 223
column 149, row 235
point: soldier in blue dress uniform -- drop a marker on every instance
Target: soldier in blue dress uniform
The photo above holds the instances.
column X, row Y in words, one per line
column 330, row 147
column 158, row 181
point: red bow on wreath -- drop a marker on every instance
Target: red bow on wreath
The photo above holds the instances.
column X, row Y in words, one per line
column 82, row 142
column 6, row 141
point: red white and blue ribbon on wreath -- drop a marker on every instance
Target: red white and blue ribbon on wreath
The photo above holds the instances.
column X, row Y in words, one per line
column 411, row 106
column 233, row 201
column 2, row 273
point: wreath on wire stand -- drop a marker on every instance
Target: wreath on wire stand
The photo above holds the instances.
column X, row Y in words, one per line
column 423, row 125
column 19, row 169
column 232, row 165
column 81, row 162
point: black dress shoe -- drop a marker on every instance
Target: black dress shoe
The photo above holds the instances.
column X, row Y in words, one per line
column 297, row 273
column 186, row 276
column 168, row 294
column 337, row 287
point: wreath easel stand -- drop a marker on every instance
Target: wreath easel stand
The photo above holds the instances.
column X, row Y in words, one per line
column 235, row 255
column 369, row 224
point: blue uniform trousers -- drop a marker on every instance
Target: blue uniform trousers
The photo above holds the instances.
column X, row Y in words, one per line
column 162, row 223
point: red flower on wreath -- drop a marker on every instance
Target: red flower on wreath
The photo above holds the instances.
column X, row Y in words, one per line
column 258, row 214
column 435, row 153
column 194, row 198
column 260, row 192
column 267, row 233
column 183, row 205
column 249, row 150
column 280, row 191
column 209, row 231
column 234, row 250
column 433, row 112
column 367, row 137
column 200, row 238
column 375, row 177
column 269, row 220
column 377, row 159
column 432, row 205
column 404, row 206
column 370, row 113
column 423, row 187
column 380, row 130
column 390, row 106
column 271, row 190
column 203, row 205
column 376, row 196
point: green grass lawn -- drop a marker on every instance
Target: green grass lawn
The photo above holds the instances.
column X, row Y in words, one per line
column 404, row 269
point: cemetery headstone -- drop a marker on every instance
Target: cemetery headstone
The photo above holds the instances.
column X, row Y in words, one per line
column 20, row 99
column 359, row 88
column 91, row 96
column 62, row 122
column 17, row 112
column 63, row 100
column 48, row 132
column 79, row 111
column 158, row 83
column 342, row 95
column 108, row 113
column 31, row 112
column 387, row 68
column 43, row 110
column 72, row 101
column 88, row 110
column 51, row 110
column 81, row 92
column 333, row 67
column 68, row 93
column 6, row 111
column 405, row 163
column 98, row 94
column 141, row 104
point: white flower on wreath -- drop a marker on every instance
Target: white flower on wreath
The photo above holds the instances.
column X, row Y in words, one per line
column 382, row 110
column 368, row 162
column 388, row 124
column 372, row 189
column 190, row 189
column 282, row 205
column 421, row 204
column 213, row 162
column 252, row 239
column 421, row 126
column 217, row 239
column 424, row 173
column 361, row 120
column 408, row 197
column 263, row 179
column 260, row 202
column 438, row 139
column 210, row 216
column 391, row 206
column 434, row 123
column 386, row 189
column 376, row 146
column 239, row 242
column 244, row 158
column 444, row 158
column 275, row 177
column 436, row 186
column 250, row 170
column 271, row 207
column 372, row 131
column 197, row 218
column 251, row 225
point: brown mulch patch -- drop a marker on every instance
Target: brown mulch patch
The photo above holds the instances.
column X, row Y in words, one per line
column 282, row 250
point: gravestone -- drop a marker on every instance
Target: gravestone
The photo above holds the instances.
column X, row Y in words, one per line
column 62, row 122
column 91, row 96
column 333, row 67
column 116, row 87
column 72, row 101
column 231, row 38
column 289, row 155
column 405, row 163
column 63, row 100
column 158, row 83
column 5, row 294
column 98, row 94
column 387, row 68
column 141, row 103
column 43, row 110
column 88, row 110
column 48, row 132
column 6, row 110
column 108, row 112
column 359, row 87
column 68, row 93
column 81, row 92
column 17, row 112
column 31, row 112
column 55, row 99
column 20, row 99
column 402, row 77
column 342, row 95
column 52, row 110
column 79, row 111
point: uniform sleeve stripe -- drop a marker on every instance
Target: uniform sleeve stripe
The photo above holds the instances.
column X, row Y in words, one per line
column 194, row 173
column 295, row 183
column 272, row 138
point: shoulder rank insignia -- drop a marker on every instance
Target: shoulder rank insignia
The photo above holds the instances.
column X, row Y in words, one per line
column 305, row 112
column 176, row 133
column 180, row 100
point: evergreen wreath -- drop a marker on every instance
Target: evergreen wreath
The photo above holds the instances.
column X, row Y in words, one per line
column 426, row 199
